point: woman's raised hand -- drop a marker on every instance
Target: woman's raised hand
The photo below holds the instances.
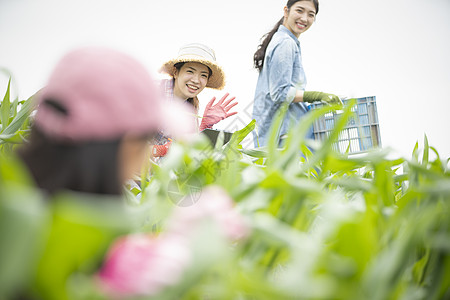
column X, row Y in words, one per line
column 215, row 113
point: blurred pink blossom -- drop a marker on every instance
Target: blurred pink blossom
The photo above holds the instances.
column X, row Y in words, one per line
column 214, row 204
column 143, row 265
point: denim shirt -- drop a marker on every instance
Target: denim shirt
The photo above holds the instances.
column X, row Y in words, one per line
column 281, row 76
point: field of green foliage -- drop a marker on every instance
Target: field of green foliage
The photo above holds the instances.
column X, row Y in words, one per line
column 324, row 226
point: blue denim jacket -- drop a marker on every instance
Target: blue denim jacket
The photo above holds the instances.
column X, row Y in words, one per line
column 281, row 76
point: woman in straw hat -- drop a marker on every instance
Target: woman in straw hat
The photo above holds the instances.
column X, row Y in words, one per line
column 194, row 69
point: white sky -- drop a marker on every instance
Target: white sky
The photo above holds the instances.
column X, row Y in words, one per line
column 397, row 50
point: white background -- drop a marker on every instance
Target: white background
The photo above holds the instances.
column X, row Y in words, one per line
column 396, row 50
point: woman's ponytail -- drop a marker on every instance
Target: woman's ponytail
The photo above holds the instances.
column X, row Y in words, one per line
column 258, row 57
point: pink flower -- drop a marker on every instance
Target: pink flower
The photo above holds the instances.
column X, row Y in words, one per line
column 215, row 204
column 143, row 265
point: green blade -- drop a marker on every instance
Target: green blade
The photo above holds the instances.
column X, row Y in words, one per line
column 5, row 107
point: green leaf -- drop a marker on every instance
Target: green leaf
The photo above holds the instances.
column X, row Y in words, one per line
column 426, row 150
column 23, row 220
column 15, row 138
column 274, row 133
column 327, row 146
column 21, row 116
column 5, row 108
column 257, row 152
column 419, row 267
column 83, row 227
column 239, row 135
column 12, row 169
column 415, row 153
column 14, row 107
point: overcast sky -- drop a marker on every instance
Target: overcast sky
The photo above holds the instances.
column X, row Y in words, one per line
column 396, row 50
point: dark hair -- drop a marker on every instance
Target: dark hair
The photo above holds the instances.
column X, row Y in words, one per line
column 194, row 101
column 90, row 167
column 258, row 57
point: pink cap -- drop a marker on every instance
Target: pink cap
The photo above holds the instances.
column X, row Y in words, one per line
column 100, row 94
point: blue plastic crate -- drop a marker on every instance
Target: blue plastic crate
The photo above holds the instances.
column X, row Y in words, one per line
column 361, row 133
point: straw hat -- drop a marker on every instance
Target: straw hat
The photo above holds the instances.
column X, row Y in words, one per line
column 202, row 54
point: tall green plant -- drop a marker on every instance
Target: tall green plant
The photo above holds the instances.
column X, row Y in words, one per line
column 324, row 225
column 14, row 120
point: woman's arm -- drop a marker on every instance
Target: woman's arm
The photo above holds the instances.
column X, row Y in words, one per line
column 280, row 69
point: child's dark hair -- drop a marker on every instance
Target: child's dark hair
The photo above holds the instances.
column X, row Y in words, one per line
column 89, row 167
column 258, row 57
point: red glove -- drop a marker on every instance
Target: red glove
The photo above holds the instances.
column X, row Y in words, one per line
column 215, row 113
column 160, row 150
